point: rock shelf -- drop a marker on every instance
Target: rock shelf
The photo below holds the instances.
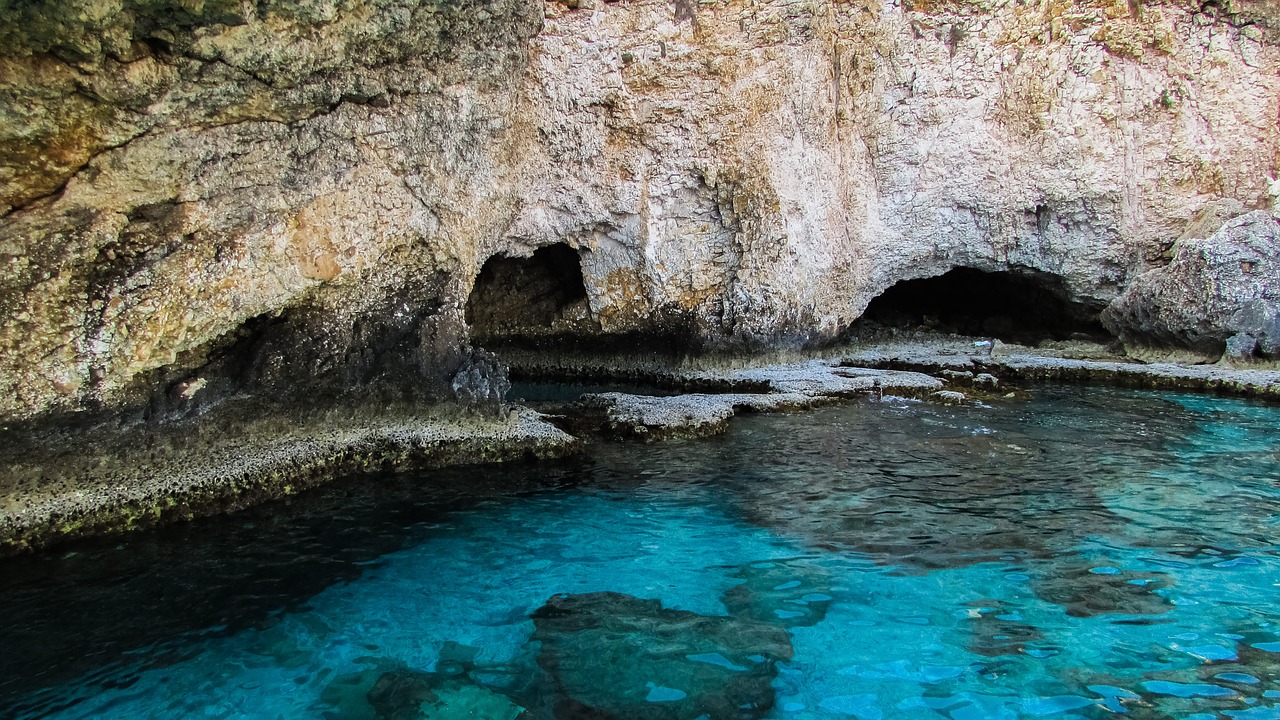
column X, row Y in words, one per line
column 120, row 479
column 1018, row 364
column 61, row 484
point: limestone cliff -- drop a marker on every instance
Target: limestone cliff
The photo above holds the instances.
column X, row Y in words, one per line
column 211, row 196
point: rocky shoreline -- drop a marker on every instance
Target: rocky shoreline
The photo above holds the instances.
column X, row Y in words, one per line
column 62, row 484
column 119, row 479
column 1025, row 365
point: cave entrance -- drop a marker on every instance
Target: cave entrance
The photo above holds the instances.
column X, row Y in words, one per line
column 530, row 300
column 1023, row 307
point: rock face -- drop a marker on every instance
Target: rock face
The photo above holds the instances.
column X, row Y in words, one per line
column 1220, row 291
column 298, row 196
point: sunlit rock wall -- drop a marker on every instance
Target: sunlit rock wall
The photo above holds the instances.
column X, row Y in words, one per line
column 202, row 198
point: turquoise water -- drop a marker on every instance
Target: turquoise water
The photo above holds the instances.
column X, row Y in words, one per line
column 1086, row 553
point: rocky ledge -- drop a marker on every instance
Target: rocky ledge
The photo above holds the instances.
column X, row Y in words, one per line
column 962, row 362
column 790, row 387
column 224, row 224
column 75, row 480
column 62, row 484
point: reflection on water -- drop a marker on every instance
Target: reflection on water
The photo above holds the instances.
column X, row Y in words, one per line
column 1085, row 554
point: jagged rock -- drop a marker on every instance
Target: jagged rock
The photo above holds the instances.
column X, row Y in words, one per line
column 1213, row 288
column 481, row 382
column 1257, row 325
column 1241, row 346
column 618, row 656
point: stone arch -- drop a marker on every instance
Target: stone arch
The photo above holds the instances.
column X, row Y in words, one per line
column 1017, row 305
column 517, row 300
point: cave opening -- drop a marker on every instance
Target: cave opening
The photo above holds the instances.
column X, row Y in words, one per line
column 1025, row 307
column 529, row 300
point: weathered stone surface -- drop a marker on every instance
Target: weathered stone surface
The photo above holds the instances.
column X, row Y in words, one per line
column 64, row 483
column 1217, row 287
column 1019, row 364
column 792, row 387
column 204, row 199
column 1207, row 221
column 618, row 656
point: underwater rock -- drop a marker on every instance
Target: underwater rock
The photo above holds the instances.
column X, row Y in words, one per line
column 618, row 656
column 790, row 594
column 408, row 695
column 404, row 694
column 998, row 629
column 1086, row 591
column 1195, row 303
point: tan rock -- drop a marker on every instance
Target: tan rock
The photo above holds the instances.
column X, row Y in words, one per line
column 319, row 185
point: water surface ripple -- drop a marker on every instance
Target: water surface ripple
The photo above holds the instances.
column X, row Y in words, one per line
column 1083, row 554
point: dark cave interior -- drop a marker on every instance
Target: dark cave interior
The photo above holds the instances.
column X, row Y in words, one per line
column 1023, row 307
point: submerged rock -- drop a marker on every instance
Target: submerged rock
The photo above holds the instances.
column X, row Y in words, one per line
column 1086, row 591
column 405, row 694
column 1223, row 286
column 998, row 629
column 787, row 593
column 408, row 695
column 618, row 656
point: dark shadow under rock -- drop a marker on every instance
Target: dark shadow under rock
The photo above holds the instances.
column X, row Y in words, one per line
column 620, row 657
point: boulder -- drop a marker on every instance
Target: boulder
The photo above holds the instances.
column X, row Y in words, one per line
column 1208, row 220
column 1212, row 289
column 618, row 656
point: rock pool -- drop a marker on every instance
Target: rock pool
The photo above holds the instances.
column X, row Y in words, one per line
column 1082, row 554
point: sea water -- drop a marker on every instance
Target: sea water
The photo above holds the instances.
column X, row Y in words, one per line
column 1085, row 553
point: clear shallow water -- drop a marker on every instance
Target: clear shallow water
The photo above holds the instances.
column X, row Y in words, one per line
column 1084, row 554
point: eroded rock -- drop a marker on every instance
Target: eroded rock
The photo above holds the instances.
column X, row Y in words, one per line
column 1225, row 285
column 273, row 194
